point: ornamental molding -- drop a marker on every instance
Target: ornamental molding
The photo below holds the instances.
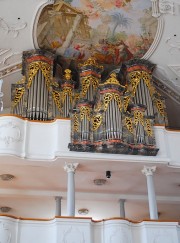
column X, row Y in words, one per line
column 12, row 29
column 173, row 45
column 71, row 167
column 166, row 7
column 10, row 133
column 167, row 90
column 148, row 171
column 10, row 70
column 157, row 38
column 7, row 60
column 175, row 69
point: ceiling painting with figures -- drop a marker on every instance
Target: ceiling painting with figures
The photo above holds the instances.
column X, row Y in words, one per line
column 109, row 30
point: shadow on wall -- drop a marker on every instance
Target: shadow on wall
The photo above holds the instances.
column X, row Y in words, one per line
column 173, row 113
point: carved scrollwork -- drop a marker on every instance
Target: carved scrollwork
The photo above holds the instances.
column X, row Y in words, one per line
column 86, row 83
column 10, row 133
column 91, row 62
column 57, row 98
column 67, row 91
column 138, row 117
column 166, row 6
column 160, row 106
column 75, row 122
column 67, row 74
column 96, row 122
column 108, row 97
column 85, row 111
column 44, row 67
column 126, row 102
column 129, row 124
column 112, row 79
column 18, row 95
column 137, row 76
column 148, row 128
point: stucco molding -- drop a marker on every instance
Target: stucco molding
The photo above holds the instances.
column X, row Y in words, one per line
column 12, row 29
column 10, row 133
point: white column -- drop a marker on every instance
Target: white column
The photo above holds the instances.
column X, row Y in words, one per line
column 58, row 206
column 148, row 172
column 70, row 168
column 122, row 209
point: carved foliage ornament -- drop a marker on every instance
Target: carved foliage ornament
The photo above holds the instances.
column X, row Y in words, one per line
column 67, row 91
column 86, row 82
column 85, row 112
column 129, row 124
column 12, row 29
column 148, row 128
column 166, row 6
column 10, row 133
column 19, row 93
column 57, row 98
column 108, row 97
column 138, row 117
column 96, row 122
column 44, row 67
column 136, row 77
column 75, row 122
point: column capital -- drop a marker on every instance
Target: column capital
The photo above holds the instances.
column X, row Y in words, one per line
column 58, row 198
column 122, row 200
column 70, row 167
column 148, row 170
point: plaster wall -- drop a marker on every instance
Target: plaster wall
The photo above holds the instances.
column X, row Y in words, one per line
column 69, row 230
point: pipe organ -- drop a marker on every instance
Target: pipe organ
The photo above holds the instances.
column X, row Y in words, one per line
column 113, row 116
column 32, row 97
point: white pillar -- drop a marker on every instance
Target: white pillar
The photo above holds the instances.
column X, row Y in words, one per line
column 122, row 209
column 148, row 172
column 58, row 206
column 70, row 168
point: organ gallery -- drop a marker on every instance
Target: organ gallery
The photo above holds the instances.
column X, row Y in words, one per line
column 112, row 113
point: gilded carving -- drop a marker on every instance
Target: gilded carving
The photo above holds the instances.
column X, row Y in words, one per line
column 136, row 77
column 91, row 62
column 21, row 81
column 18, row 95
column 126, row 102
column 160, row 106
column 129, row 124
column 67, row 91
column 44, row 67
column 112, row 79
column 75, row 122
column 67, row 74
column 138, row 117
column 108, row 97
column 86, row 83
column 84, row 111
column 96, row 122
column 148, row 128
column 57, row 98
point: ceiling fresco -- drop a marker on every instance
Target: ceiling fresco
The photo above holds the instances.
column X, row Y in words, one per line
column 112, row 31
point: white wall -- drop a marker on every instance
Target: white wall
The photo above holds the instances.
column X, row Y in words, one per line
column 73, row 230
column 48, row 140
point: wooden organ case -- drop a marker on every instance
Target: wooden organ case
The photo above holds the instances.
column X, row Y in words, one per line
column 115, row 115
